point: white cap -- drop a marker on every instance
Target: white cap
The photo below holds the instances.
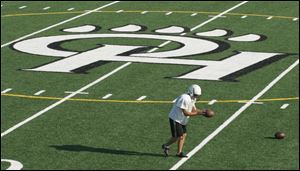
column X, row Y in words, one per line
column 194, row 90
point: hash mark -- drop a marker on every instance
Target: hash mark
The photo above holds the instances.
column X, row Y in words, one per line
column 106, row 96
column 141, row 98
column 284, row 106
column 194, row 14
column 22, row 7
column 168, row 13
column 212, row 102
column 46, row 8
column 39, row 92
column 6, row 90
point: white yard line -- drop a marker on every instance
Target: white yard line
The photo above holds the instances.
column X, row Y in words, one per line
column 58, row 24
column 235, row 115
column 214, row 16
column 252, row 102
column 284, row 106
column 63, row 100
column 70, row 92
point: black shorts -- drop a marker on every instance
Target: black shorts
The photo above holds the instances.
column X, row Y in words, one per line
column 176, row 128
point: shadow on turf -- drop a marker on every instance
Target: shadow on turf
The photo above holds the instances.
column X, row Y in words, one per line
column 273, row 138
column 81, row 148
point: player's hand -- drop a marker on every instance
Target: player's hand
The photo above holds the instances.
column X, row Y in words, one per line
column 200, row 112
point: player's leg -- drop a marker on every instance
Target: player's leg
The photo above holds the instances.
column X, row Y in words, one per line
column 181, row 141
column 173, row 139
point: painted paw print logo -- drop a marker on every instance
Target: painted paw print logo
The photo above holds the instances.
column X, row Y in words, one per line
column 74, row 61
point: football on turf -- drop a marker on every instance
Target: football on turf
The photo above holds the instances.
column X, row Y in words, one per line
column 279, row 135
column 209, row 113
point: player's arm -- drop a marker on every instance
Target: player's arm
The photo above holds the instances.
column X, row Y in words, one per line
column 192, row 113
column 199, row 111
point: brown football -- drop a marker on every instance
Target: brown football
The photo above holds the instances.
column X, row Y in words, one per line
column 209, row 113
column 279, row 135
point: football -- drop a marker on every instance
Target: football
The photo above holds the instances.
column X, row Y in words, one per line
column 279, row 135
column 209, row 113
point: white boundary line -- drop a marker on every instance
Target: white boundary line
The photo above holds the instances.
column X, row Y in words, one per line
column 63, row 100
column 55, row 25
column 235, row 115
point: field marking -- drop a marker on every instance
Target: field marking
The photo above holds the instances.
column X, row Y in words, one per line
column 139, row 11
column 64, row 99
column 70, row 9
column 203, row 24
column 144, row 12
column 194, row 14
column 284, row 106
column 141, row 98
column 119, row 11
column 69, row 92
column 135, row 101
column 168, row 13
column 39, row 92
column 46, row 8
column 244, row 16
column 22, row 7
column 6, row 90
column 212, row 102
column 14, row 165
column 235, row 115
column 58, row 24
column 107, row 96
column 252, row 102
column 214, row 16
column 269, row 18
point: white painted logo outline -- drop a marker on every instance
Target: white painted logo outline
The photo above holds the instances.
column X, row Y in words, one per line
column 79, row 62
column 14, row 165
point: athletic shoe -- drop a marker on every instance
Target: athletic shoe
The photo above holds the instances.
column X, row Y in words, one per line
column 181, row 155
column 166, row 149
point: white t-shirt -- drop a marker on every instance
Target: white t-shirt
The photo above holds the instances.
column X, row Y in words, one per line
column 182, row 102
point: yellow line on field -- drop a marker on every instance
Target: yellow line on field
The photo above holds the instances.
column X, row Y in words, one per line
column 140, row 11
column 137, row 101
